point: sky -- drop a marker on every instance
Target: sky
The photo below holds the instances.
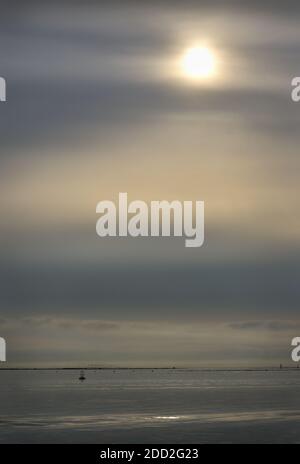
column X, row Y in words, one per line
column 97, row 104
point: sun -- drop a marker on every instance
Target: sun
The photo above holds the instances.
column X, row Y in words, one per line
column 198, row 63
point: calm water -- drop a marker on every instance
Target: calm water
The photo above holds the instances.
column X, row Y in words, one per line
column 160, row 406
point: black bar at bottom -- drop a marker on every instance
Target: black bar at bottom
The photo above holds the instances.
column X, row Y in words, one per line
column 90, row 454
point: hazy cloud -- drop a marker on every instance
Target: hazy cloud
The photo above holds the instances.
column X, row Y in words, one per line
column 276, row 326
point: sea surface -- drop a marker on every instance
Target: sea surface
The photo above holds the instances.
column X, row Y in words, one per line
column 147, row 406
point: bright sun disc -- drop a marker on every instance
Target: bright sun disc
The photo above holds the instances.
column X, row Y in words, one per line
column 198, row 62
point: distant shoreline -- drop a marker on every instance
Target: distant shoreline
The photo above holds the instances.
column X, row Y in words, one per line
column 258, row 369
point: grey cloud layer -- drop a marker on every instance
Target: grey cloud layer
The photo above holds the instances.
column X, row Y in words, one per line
column 41, row 111
column 273, row 326
column 128, row 292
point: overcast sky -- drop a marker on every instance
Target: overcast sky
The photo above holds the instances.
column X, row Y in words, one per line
column 97, row 105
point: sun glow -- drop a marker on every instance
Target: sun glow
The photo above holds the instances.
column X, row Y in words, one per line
column 198, row 63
